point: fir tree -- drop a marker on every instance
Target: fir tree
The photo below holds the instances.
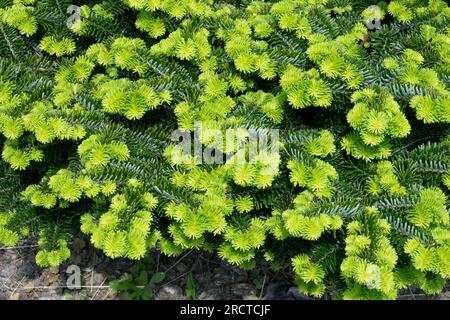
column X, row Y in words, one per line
column 356, row 195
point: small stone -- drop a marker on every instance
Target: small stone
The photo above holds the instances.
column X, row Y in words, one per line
column 169, row 292
column 170, row 274
column 276, row 290
column 75, row 259
column 294, row 294
column 238, row 275
column 181, row 267
column 444, row 296
column 97, row 278
column 93, row 278
column 212, row 294
column 53, row 270
column 78, row 244
column 27, row 269
column 241, row 290
column 221, row 277
column 29, row 286
column 49, row 276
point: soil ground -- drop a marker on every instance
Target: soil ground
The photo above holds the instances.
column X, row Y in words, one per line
column 21, row 278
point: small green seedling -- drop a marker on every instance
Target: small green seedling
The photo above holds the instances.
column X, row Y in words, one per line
column 191, row 287
column 137, row 285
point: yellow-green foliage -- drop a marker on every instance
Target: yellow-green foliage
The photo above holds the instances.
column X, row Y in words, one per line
column 351, row 189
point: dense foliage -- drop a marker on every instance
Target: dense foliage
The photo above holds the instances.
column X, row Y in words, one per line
column 354, row 197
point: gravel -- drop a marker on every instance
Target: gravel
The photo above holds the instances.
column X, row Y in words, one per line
column 21, row 278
